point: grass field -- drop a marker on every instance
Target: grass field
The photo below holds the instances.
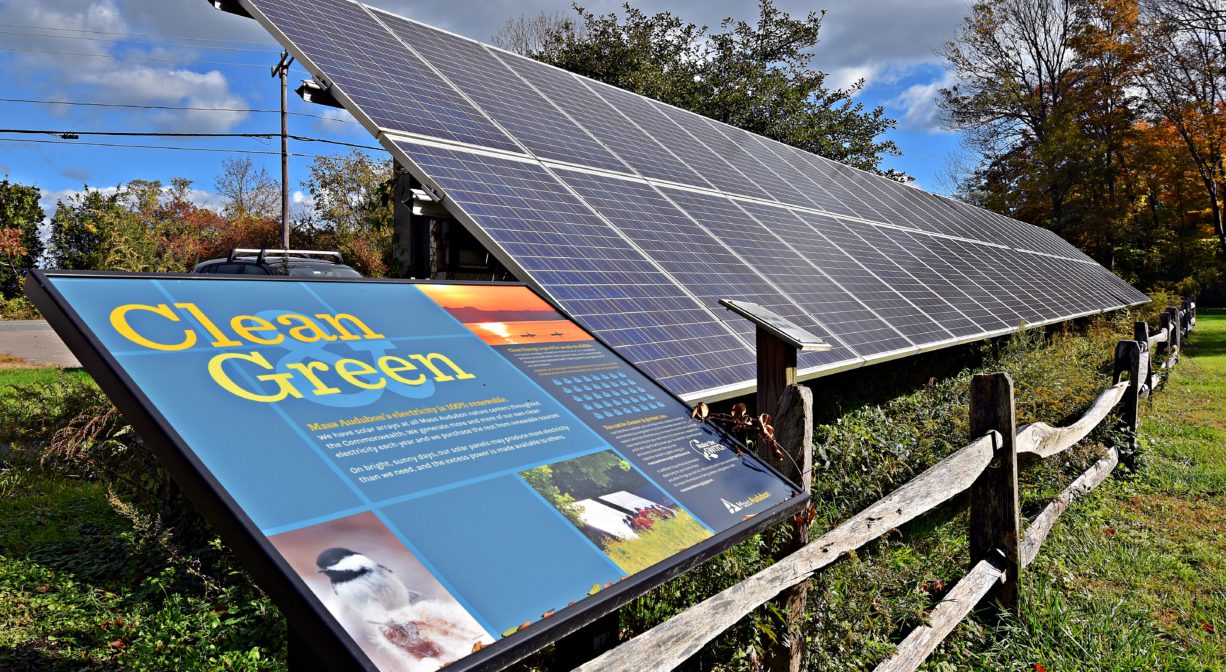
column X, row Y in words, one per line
column 21, row 375
column 1134, row 576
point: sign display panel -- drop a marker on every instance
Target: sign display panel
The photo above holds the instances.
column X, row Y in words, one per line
column 443, row 474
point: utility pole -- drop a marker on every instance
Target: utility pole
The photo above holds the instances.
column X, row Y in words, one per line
column 281, row 69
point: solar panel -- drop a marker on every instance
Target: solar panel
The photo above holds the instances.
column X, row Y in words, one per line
column 636, row 217
column 509, row 101
column 604, row 282
column 388, row 86
column 649, row 116
column 640, row 152
column 894, row 265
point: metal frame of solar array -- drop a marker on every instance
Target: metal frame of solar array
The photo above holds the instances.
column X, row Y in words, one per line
column 637, row 217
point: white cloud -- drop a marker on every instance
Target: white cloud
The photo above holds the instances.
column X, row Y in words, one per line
column 205, row 199
column 918, row 104
column 105, row 68
column 841, row 78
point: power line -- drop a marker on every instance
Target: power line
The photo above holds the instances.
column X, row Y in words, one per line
column 103, row 32
column 168, row 134
column 171, row 107
column 178, row 149
column 113, row 40
column 178, row 61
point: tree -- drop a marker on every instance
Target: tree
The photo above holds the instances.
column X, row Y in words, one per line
column 248, row 192
column 352, row 210
column 1044, row 94
column 93, row 230
column 1184, row 42
column 758, row 77
column 527, row 34
column 1012, row 60
column 21, row 246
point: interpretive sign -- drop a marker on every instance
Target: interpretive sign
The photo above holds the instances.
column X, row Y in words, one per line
column 421, row 474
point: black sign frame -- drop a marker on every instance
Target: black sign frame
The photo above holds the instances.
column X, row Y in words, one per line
column 307, row 617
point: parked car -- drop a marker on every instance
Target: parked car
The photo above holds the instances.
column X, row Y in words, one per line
column 295, row 263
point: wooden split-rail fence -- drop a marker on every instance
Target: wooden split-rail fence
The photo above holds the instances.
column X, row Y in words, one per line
column 987, row 468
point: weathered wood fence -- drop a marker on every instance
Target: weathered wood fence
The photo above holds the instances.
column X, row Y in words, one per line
column 987, row 468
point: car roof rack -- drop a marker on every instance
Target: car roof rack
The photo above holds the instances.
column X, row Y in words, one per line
column 265, row 252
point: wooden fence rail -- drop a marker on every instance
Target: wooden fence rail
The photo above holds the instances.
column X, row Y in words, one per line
column 983, row 465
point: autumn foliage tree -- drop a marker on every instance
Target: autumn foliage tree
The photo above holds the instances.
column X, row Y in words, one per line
column 351, row 210
column 1081, row 126
column 146, row 225
column 21, row 245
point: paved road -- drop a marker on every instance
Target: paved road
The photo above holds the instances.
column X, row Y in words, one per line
column 34, row 342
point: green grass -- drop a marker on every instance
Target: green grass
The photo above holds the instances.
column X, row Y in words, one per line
column 90, row 582
column 80, row 589
column 21, row 376
column 665, row 539
column 1134, row 576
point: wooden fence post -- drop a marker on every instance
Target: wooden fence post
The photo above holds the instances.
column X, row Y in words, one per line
column 1140, row 334
column 1128, row 359
column 1161, row 352
column 995, row 525
column 1175, row 342
column 793, row 421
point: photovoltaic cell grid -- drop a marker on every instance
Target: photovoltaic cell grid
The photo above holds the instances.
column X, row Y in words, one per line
column 587, row 266
column 637, row 217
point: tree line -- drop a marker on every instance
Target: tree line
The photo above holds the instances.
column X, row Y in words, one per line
column 151, row 226
column 1104, row 121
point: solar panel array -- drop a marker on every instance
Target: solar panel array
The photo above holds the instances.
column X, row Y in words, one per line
column 637, row 217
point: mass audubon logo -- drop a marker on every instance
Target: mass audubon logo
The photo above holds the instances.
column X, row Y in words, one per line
column 736, row 507
column 708, row 450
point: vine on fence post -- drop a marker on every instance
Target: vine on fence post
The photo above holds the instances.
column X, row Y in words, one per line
column 995, row 526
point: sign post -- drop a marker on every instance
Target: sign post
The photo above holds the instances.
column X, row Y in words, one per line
column 418, row 474
column 778, row 340
column 791, row 406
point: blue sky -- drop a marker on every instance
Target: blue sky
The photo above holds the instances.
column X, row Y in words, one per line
column 185, row 54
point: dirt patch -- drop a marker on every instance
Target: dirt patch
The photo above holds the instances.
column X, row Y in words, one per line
column 11, row 362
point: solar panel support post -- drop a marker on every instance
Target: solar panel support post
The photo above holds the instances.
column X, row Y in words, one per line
column 412, row 231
